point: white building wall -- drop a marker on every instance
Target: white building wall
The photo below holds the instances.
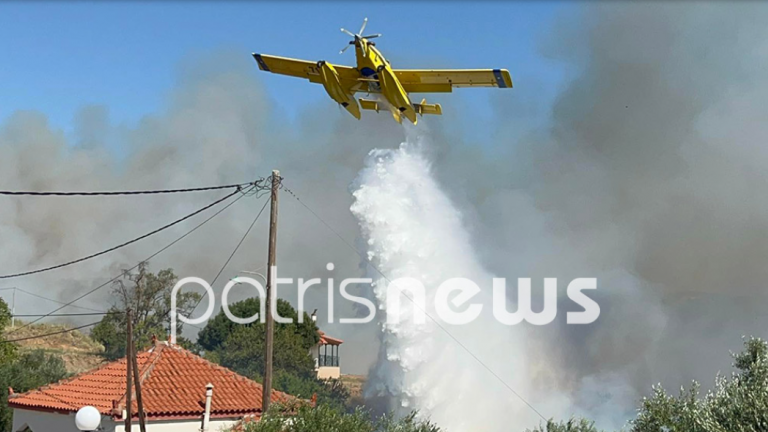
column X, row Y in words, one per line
column 40, row 421
column 328, row 372
column 216, row 425
column 44, row 422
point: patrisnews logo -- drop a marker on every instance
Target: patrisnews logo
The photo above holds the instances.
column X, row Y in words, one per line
column 452, row 301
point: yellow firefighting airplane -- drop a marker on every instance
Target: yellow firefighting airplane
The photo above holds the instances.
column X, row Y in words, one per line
column 374, row 74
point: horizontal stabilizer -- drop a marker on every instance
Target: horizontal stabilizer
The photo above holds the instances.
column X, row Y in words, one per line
column 425, row 108
column 372, row 105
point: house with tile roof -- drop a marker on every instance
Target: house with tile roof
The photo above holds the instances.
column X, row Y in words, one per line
column 174, row 382
column 326, row 355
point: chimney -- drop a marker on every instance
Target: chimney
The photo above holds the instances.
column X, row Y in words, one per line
column 207, row 414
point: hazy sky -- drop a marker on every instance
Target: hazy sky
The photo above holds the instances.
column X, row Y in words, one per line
column 631, row 149
column 58, row 57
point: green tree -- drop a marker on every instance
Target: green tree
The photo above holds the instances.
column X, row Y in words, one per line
column 241, row 347
column 148, row 295
column 219, row 328
column 328, row 392
column 572, row 425
column 323, row 418
column 663, row 412
column 740, row 404
column 737, row 403
column 243, row 352
column 7, row 350
column 7, row 356
column 29, row 371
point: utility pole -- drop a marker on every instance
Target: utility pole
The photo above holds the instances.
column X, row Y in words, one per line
column 270, row 324
column 128, row 369
column 13, row 309
column 137, row 383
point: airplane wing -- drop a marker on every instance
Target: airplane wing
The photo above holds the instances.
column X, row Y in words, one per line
column 444, row 80
column 303, row 69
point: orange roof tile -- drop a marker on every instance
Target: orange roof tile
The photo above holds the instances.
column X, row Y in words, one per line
column 173, row 384
column 328, row 340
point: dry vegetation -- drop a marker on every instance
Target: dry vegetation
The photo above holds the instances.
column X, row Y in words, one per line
column 79, row 352
column 355, row 384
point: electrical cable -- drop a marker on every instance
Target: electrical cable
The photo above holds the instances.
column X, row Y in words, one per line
column 139, row 263
column 55, row 301
column 233, row 253
column 132, row 192
column 67, row 314
column 114, row 248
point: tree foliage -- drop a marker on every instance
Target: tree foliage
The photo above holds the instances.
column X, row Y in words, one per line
column 22, row 372
column 148, row 295
column 28, row 371
column 330, row 392
column 323, row 418
column 572, row 425
column 737, row 403
column 218, row 329
column 241, row 348
column 7, row 350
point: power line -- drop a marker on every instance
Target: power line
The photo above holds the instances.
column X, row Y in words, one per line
column 67, row 314
column 232, row 254
column 445, row 330
column 139, row 263
column 132, row 192
column 49, row 334
column 129, row 242
column 52, row 300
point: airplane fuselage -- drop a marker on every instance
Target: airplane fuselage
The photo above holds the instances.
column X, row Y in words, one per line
column 374, row 67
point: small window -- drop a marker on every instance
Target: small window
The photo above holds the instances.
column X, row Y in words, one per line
column 25, row 428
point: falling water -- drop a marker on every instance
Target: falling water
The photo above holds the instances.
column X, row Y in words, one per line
column 413, row 230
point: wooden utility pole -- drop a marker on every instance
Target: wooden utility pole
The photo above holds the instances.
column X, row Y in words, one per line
column 137, row 383
column 270, row 324
column 13, row 309
column 128, row 368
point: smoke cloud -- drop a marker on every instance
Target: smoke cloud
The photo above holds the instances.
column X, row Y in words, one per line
column 647, row 172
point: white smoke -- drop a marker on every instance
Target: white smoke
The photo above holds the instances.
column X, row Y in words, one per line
column 413, row 230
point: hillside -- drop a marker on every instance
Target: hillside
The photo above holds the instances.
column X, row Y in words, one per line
column 78, row 351
column 355, row 384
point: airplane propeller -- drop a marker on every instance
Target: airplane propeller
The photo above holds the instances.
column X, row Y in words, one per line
column 358, row 36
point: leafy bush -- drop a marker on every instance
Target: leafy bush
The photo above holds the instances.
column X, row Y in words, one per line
column 736, row 404
column 572, row 425
column 323, row 418
column 29, row 371
column 329, row 392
